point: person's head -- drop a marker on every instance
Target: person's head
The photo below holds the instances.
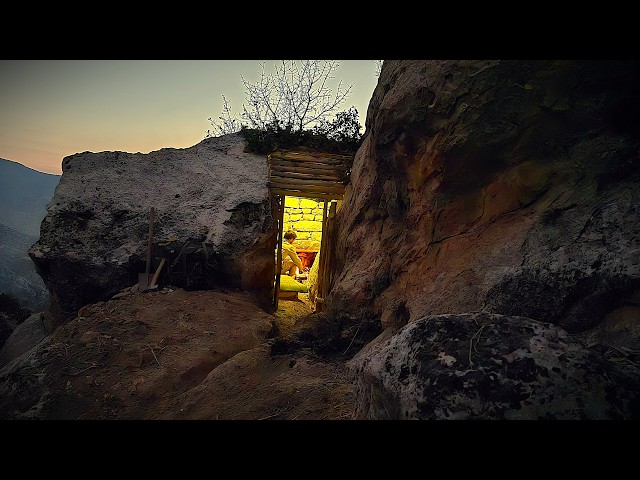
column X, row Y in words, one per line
column 290, row 236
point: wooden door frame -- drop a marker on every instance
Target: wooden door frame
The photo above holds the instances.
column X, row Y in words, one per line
column 306, row 173
column 325, row 266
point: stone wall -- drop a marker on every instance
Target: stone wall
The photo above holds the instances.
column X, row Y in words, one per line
column 304, row 216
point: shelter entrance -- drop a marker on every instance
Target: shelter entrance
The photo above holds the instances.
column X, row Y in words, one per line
column 306, row 192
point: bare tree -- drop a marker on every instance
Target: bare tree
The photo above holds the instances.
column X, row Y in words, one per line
column 226, row 123
column 297, row 95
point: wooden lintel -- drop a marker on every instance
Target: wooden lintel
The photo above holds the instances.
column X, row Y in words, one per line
column 274, row 174
column 308, row 157
column 300, row 193
column 319, row 167
column 308, row 188
column 295, row 182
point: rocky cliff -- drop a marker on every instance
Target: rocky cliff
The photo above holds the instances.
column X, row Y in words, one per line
column 508, row 186
column 503, row 187
column 212, row 222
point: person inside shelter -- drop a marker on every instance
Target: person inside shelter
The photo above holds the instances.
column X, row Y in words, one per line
column 291, row 263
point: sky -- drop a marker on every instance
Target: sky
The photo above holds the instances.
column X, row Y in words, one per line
column 50, row 109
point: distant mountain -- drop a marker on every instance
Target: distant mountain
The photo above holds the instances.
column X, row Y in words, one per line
column 18, row 277
column 24, row 196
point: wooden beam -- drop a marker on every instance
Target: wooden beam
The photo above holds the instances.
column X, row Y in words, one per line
column 300, row 193
column 318, row 161
column 331, row 229
column 156, row 275
column 327, row 254
column 310, row 173
column 324, row 244
column 308, row 157
column 311, row 189
column 310, row 176
column 293, row 182
column 308, row 168
column 323, row 169
column 279, row 253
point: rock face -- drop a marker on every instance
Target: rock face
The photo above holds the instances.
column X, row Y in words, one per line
column 492, row 367
column 504, row 186
column 213, row 222
column 508, row 188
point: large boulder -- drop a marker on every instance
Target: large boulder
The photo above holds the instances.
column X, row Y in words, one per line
column 504, row 186
column 213, row 222
column 492, row 367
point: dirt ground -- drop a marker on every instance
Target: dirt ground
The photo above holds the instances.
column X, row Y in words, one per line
column 179, row 355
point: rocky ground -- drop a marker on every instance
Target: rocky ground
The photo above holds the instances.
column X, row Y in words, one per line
column 175, row 354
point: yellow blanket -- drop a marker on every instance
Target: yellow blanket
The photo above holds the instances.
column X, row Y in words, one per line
column 289, row 284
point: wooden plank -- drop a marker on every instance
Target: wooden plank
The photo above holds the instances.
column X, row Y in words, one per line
column 318, row 161
column 156, row 275
column 279, row 251
column 319, row 166
column 150, row 240
column 318, row 169
column 143, row 278
column 332, row 210
column 319, row 305
column 327, row 255
column 331, row 228
column 309, row 173
column 304, row 176
column 310, row 189
column 299, row 182
column 300, row 193
column 306, row 157
column 291, row 161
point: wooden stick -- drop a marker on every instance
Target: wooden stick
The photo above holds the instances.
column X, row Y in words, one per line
column 320, row 293
column 154, row 354
column 154, row 280
column 150, row 240
column 279, row 251
column 330, row 233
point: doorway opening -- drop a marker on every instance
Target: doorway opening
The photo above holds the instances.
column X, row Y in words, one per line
column 309, row 219
column 306, row 191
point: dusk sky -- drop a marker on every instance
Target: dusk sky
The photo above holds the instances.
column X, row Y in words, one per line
column 50, row 109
